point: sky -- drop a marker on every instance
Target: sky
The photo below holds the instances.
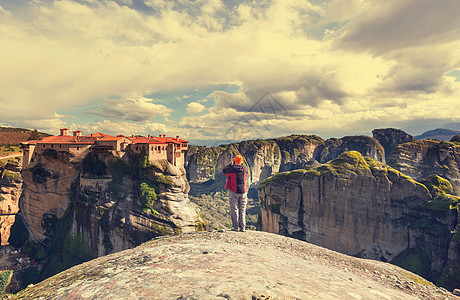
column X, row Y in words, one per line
column 212, row 70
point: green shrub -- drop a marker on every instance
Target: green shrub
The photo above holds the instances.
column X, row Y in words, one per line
column 442, row 202
column 147, row 194
column 93, row 165
column 11, row 176
column 414, row 260
column 437, row 184
column 118, row 169
column 28, row 276
column 5, row 278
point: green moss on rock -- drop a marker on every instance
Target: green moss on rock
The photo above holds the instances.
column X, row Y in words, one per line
column 414, row 260
column 443, row 202
column 437, row 184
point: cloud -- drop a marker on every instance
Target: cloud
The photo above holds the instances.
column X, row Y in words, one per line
column 378, row 62
column 391, row 25
column 124, row 127
column 132, row 108
column 195, row 107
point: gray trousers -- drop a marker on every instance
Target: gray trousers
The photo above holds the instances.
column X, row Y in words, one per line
column 238, row 209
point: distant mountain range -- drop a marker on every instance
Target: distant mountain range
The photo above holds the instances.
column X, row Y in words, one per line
column 441, row 134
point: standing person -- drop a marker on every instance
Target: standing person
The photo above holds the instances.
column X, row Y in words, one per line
column 238, row 197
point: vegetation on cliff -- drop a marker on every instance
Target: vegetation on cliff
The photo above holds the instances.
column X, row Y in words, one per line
column 14, row 136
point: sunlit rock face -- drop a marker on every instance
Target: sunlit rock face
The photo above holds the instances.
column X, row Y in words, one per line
column 10, row 191
column 354, row 205
column 390, row 138
column 265, row 158
column 362, row 207
column 106, row 210
column 422, row 158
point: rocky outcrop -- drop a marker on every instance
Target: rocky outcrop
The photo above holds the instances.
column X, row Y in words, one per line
column 390, row 138
column 298, row 150
column 265, row 158
column 202, row 266
column 10, row 191
column 200, row 162
column 47, row 185
column 422, row 158
column 354, row 205
column 359, row 206
column 127, row 206
column 365, row 145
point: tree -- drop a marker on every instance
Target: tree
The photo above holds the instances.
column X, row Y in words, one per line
column 34, row 135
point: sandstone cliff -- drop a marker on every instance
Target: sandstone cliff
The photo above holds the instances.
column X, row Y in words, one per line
column 10, row 191
column 202, row 266
column 390, row 138
column 364, row 208
column 76, row 209
column 422, row 158
column 365, row 145
column 265, row 158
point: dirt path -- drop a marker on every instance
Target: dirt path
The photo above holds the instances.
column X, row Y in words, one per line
column 12, row 155
column 233, row 265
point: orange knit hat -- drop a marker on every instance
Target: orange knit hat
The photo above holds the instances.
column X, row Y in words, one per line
column 238, row 159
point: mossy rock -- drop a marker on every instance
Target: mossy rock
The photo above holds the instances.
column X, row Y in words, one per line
column 443, row 202
column 437, row 184
column 414, row 260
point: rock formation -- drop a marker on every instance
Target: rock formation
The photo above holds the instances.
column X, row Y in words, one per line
column 364, row 208
column 390, row 138
column 10, row 191
column 422, row 158
column 75, row 210
column 265, row 158
column 365, row 145
column 202, row 266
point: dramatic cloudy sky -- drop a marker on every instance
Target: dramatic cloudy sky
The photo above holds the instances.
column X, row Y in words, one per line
column 224, row 70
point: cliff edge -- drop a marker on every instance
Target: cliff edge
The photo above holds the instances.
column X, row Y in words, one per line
column 233, row 265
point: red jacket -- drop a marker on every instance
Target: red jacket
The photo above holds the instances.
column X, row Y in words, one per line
column 236, row 178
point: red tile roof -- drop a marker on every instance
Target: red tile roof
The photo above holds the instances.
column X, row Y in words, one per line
column 155, row 140
column 111, row 138
column 85, row 140
column 90, row 139
column 98, row 135
column 146, row 140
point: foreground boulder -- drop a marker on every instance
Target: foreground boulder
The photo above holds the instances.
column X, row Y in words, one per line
column 232, row 265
